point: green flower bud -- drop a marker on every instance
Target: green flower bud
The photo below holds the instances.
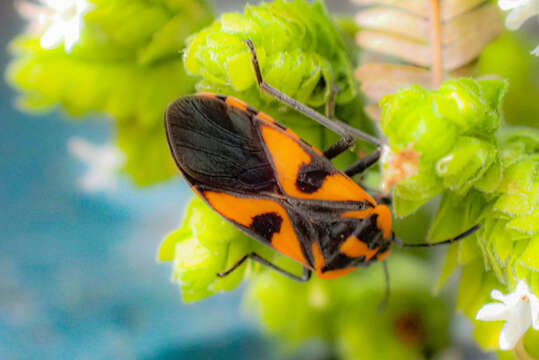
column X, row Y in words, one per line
column 300, row 50
column 344, row 313
column 206, row 245
column 453, row 130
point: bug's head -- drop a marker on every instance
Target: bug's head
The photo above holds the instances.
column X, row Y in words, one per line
column 354, row 242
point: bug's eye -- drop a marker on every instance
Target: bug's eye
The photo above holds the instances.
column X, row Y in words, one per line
column 363, row 205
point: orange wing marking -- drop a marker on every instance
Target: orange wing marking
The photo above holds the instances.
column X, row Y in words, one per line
column 243, row 210
column 382, row 256
column 236, row 103
column 357, row 214
column 384, row 220
column 355, row 248
column 265, row 117
column 288, row 156
column 319, row 263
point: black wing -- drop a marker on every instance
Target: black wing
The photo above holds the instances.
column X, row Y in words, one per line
column 218, row 145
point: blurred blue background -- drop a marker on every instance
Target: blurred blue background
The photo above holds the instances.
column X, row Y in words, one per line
column 78, row 275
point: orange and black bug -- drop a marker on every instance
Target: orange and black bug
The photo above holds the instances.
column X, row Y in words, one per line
column 264, row 179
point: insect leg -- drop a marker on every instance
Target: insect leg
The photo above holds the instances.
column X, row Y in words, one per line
column 363, row 164
column 343, row 144
column 255, row 257
column 450, row 241
column 338, row 127
column 383, row 304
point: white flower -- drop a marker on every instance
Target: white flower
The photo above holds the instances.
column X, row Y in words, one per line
column 521, row 10
column 103, row 164
column 56, row 21
column 518, row 309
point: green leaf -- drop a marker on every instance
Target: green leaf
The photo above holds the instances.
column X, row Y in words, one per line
column 455, row 214
column 470, row 286
column 204, row 246
column 148, row 157
column 528, row 224
column 450, row 263
column 513, row 205
column 491, row 179
column 530, row 256
column 469, row 159
column 518, row 178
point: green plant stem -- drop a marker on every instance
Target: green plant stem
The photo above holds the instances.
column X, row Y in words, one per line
column 520, row 351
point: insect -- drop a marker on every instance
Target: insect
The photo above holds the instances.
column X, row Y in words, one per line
column 265, row 180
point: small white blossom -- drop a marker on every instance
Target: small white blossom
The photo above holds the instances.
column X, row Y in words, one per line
column 103, row 164
column 56, row 21
column 519, row 309
column 521, row 10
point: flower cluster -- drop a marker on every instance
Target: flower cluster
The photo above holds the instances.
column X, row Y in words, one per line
column 452, row 129
column 344, row 312
column 485, row 175
column 301, row 52
column 130, row 72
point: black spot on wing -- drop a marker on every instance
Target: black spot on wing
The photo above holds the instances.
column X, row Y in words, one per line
column 266, row 225
column 311, row 176
column 339, row 261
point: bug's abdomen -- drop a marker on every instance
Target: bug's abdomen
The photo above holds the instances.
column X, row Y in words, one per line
column 217, row 145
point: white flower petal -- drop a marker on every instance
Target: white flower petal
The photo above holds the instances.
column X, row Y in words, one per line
column 511, row 4
column 519, row 309
column 72, row 35
column 534, row 309
column 83, row 6
column 497, row 295
column 492, row 312
column 518, row 16
column 522, row 288
column 511, row 333
column 57, row 5
column 535, row 51
column 103, row 161
column 52, row 37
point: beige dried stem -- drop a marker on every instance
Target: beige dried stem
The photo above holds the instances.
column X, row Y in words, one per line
column 436, row 39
